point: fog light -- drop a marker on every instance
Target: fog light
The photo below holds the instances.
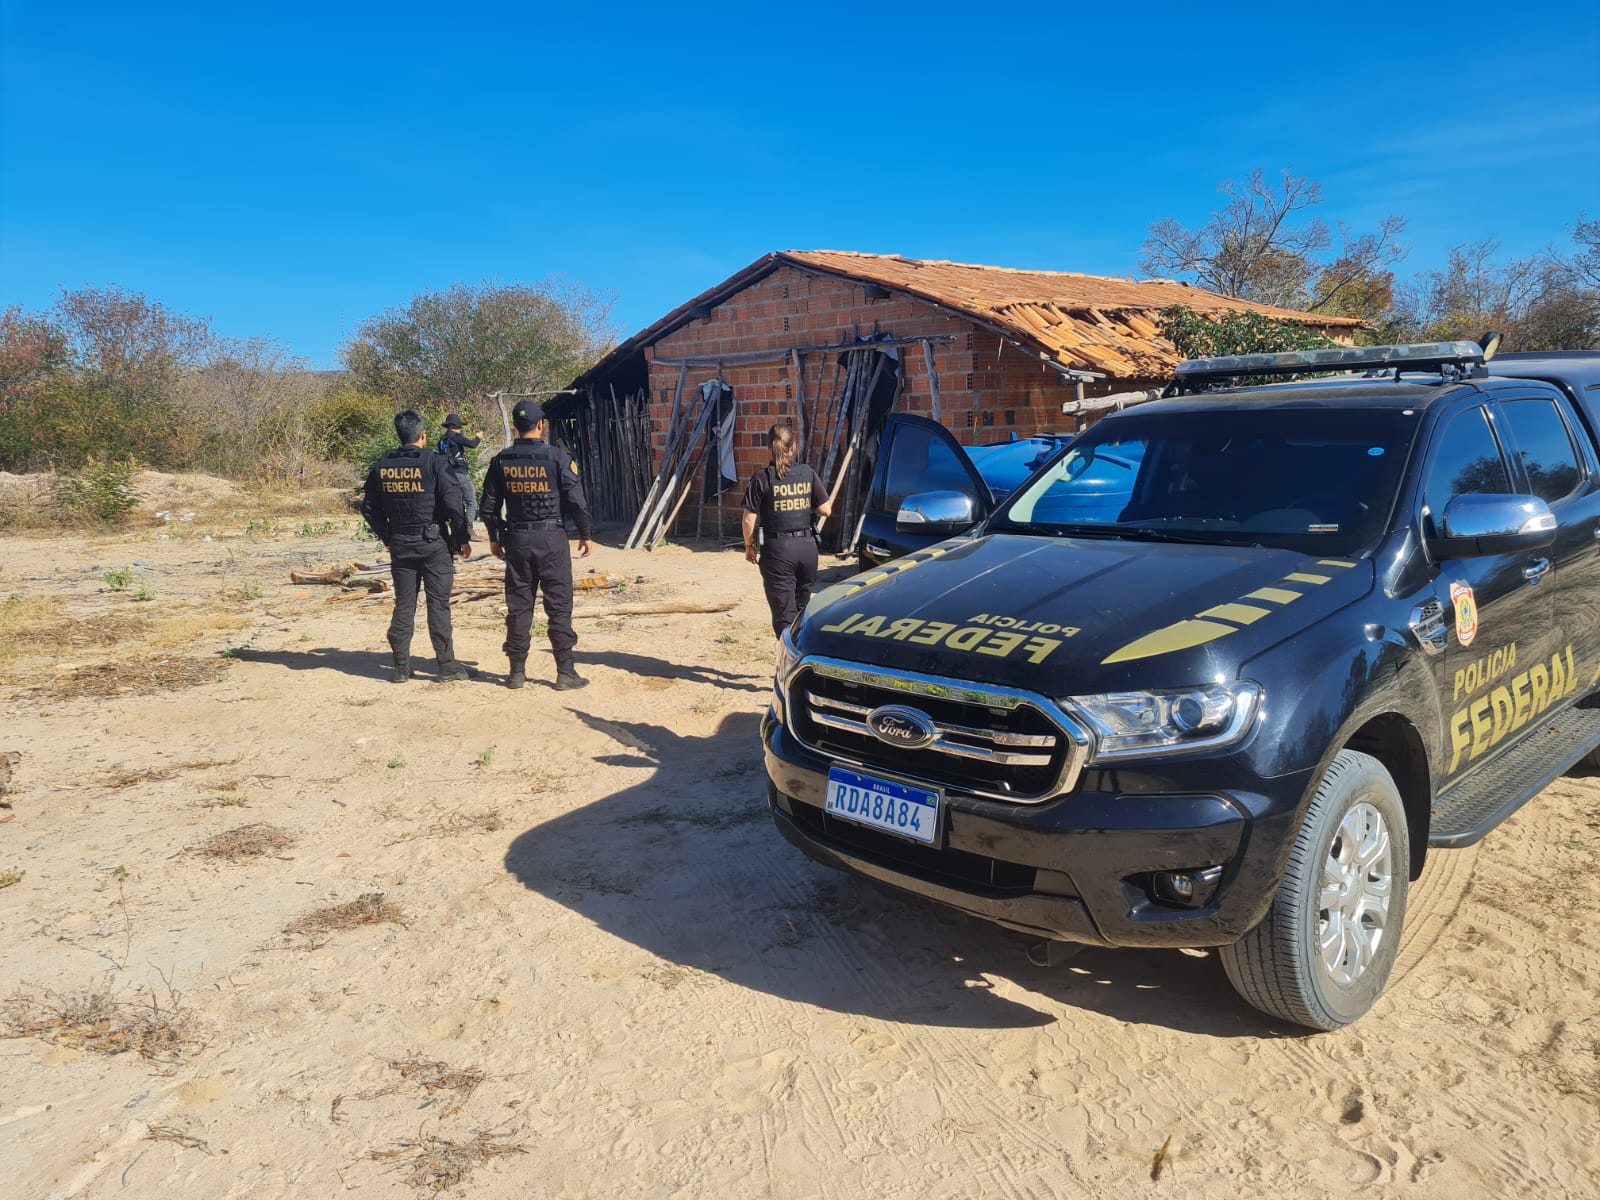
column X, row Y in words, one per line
column 1192, row 888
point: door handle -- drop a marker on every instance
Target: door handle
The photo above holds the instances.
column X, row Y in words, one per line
column 1536, row 570
column 878, row 551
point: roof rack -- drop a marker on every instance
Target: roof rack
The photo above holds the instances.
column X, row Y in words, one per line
column 1450, row 359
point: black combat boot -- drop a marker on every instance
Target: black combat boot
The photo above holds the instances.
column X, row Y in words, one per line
column 453, row 672
column 518, row 676
column 402, row 668
column 568, row 679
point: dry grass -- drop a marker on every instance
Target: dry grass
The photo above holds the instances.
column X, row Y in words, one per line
column 10, row 878
column 34, row 627
column 31, row 625
column 103, row 1023
column 437, row 1164
column 122, row 779
column 170, row 1133
column 247, row 841
column 133, row 677
column 189, row 628
column 434, row 1076
column 370, row 909
column 488, row 820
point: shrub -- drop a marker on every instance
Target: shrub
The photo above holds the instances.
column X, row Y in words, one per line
column 99, row 492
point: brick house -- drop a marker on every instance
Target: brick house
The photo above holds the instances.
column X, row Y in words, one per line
column 803, row 336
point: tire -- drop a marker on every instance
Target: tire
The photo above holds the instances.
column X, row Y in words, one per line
column 1355, row 833
column 1591, row 760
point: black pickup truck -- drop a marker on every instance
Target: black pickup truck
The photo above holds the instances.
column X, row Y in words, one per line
column 1328, row 627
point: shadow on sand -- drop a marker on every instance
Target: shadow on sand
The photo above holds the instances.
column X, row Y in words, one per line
column 687, row 865
column 362, row 664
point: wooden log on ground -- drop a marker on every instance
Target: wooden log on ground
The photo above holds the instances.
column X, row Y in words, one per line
column 654, row 610
column 334, row 575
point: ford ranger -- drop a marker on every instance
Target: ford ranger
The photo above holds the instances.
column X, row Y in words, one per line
column 1225, row 670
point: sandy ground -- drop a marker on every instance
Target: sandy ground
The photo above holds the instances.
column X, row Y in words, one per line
column 626, row 983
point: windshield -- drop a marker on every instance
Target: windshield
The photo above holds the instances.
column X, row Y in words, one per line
column 1317, row 480
column 1005, row 466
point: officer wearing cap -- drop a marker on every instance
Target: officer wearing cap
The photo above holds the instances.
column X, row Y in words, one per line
column 416, row 508
column 453, row 447
column 537, row 485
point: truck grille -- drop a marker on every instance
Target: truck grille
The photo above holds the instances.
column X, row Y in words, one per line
column 987, row 741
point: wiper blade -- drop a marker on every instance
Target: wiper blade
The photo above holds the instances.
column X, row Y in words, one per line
column 1218, row 537
column 1065, row 531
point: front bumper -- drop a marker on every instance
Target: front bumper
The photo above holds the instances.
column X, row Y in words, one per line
column 1077, row 868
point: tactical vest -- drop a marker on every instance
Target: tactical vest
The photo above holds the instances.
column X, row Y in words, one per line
column 408, row 487
column 787, row 512
column 530, row 471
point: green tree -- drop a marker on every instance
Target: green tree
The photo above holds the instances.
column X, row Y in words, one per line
column 1197, row 336
column 1259, row 246
column 448, row 349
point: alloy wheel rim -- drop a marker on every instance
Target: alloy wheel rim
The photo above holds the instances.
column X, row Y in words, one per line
column 1353, row 901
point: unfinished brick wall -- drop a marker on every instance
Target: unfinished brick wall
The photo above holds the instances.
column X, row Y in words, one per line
column 988, row 388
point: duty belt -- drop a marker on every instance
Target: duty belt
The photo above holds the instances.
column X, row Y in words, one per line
column 793, row 533
column 524, row 526
column 415, row 530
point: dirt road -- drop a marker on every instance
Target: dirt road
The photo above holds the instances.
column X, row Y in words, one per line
column 595, row 970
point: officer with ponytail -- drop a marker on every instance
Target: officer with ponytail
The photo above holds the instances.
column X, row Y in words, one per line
column 784, row 500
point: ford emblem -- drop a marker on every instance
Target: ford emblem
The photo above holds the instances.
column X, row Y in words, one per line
column 903, row 727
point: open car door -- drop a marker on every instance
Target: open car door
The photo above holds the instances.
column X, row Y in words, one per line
column 916, row 456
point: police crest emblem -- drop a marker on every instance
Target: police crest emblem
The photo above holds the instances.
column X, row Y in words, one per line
column 1466, row 606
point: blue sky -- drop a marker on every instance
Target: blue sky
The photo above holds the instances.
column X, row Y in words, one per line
column 292, row 169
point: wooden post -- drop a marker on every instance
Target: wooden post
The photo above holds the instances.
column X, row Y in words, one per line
column 933, row 378
column 670, row 489
column 800, row 431
column 666, row 457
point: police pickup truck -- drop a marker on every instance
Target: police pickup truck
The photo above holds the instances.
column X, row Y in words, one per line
column 1326, row 628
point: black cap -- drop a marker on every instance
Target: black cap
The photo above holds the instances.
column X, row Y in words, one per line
column 453, row 422
column 526, row 415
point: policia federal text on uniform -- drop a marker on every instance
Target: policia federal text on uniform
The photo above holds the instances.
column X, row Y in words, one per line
column 415, row 506
column 537, row 486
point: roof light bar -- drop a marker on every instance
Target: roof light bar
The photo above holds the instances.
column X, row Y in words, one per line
column 1421, row 356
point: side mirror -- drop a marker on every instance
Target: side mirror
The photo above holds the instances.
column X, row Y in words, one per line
column 1477, row 526
column 938, row 514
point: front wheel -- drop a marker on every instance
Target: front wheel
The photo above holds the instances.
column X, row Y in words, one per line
column 1323, row 954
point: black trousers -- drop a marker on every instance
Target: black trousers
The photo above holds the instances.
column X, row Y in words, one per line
column 464, row 478
column 788, row 571
column 417, row 560
column 538, row 558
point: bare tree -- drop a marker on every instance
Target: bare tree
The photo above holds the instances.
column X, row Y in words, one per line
column 1255, row 247
column 1540, row 302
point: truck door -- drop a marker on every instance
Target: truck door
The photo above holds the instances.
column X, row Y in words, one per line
column 1543, row 436
column 1497, row 609
column 916, row 455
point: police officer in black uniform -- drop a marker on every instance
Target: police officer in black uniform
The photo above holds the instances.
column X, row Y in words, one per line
column 414, row 505
column 784, row 500
column 537, row 484
column 453, row 447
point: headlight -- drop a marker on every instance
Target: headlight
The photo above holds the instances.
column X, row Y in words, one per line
column 1140, row 724
column 788, row 659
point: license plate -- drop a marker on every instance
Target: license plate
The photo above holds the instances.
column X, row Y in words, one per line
column 892, row 807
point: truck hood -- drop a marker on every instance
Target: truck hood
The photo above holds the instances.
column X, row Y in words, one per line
column 1078, row 616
